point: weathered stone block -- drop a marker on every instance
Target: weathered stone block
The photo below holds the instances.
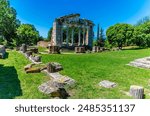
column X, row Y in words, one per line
column 54, row 88
column 23, row 48
column 36, row 58
column 80, row 49
column 54, row 49
column 96, row 49
column 137, row 92
column 33, row 70
column 43, row 68
column 28, row 53
column 54, row 67
column 107, row 84
column 28, row 66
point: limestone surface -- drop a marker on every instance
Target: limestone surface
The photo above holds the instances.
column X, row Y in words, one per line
column 141, row 63
column 107, row 84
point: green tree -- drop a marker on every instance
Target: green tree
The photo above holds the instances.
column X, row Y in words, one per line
column 120, row 34
column 28, row 34
column 8, row 21
column 100, row 37
column 141, row 35
column 98, row 32
column 49, row 34
column 101, row 40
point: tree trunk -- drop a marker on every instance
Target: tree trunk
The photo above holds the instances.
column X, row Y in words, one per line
column 137, row 92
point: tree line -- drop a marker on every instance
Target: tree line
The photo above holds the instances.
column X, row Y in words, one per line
column 12, row 32
column 122, row 34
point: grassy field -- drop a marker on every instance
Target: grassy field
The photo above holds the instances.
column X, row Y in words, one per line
column 15, row 83
column 87, row 69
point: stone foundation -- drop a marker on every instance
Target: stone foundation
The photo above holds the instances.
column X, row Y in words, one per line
column 54, row 50
column 80, row 49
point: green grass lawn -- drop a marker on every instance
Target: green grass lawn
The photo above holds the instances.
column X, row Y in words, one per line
column 15, row 83
column 87, row 69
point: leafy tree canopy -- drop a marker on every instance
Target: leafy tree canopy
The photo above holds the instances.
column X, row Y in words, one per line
column 120, row 34
column 142, row 35
column 8, row 21
column 28, row 34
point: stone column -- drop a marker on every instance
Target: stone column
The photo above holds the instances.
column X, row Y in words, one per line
column 56, row 33
column 67, row 36
column 79, row 37
column 83, row 36
column 61, row 35
column 87, row 36
column 24, row 48
column 72, row 37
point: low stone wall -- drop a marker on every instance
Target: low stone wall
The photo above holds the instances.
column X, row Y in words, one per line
column 79, row 49
column 43, row 44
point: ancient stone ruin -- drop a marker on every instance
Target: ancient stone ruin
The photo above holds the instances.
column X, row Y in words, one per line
column 54, row 49
column 54, row 67
column 141, row 63
column 43, row 44
column 137, row 92
column 107, row 84
column 79, row 49
column 31, row 53
column 56, row 86
column 23, row 48
column 2, row 51
column 71, row 23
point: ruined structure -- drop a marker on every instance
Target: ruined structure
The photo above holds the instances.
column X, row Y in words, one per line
column 63, row 34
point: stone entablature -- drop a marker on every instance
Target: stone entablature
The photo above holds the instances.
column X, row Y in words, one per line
column 70, row 22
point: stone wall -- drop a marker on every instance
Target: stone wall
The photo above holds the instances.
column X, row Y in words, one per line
column 43, row 44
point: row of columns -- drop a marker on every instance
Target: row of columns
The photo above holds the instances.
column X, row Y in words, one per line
column 57, row 35
column 72, row 36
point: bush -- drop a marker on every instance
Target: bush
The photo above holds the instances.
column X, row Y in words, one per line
column 108, row 45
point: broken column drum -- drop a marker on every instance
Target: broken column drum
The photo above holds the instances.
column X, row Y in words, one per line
column 54, row 67
column 137, row 92
column 24, row 48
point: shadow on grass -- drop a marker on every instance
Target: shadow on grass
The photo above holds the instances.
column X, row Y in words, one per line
column 6, row 55
column 9, row 83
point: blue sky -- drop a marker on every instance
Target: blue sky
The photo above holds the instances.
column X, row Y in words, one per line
column 41, row 13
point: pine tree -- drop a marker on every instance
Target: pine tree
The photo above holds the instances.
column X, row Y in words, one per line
column 100, row 36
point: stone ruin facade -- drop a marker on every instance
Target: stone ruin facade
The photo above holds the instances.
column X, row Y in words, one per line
column 70, row 23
